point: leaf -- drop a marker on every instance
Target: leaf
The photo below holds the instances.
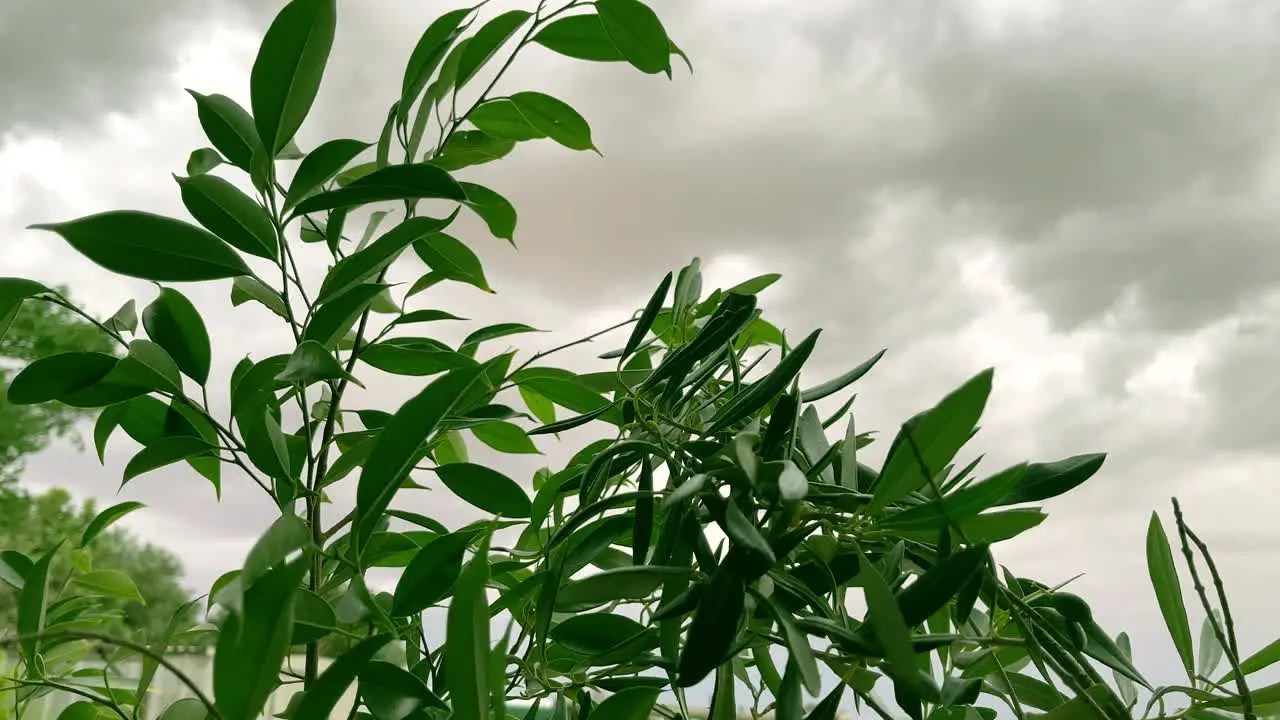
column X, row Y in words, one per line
column 430, row 575
column 105, row 519
column 959, row 505
column 553, row 118
column 285, row 536
column 13, row 290
column 110, row 583
column 82, row 710
column 247, row 287
column 392, row 693
column 486, row 42
column 887, row 623
column 228, row 213
column 1168, row 590
column 229, row 127
column 829, row 706
column 798, row 644
column 165, row 451
column 125, row 319
column 581, row 37
column 394, row 182
column 764, row 390
column 32, row 607
column 638, row 34
column 624, row 583
column 173, row 323
column 426, row 57
column 324, row 694
column 594, row 634
column 564, row 391
column 630, row 704
column 320, row 166
column 446, row 255
column 333, row 319
column 496, row 211
column 396, row 450
column 14, row 567
column 714, row 627
column 311, row 363
column 253, row 644
column 1210, row 649
column 1080, row 707
column 287, row 71
column 467, row 630
column 493, row 332
column 1046, row 480
column 466, row 148
column 987, row 528
column 505, row 437
column 365, row 264
column 647, row 316
column 934, row 589
column 501, row 118
column 835, row 385
column 938, row 433
column 484, row 488
column 151, row 247
column 202, row 161
column 1260, row 660
column 56, row 376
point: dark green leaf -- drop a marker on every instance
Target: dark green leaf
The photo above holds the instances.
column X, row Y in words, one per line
column 202, row 161
column 431, row 574
column 935, row 588
column 125, row 319
column 496, row 211
column 493, row 332
column 14, row 567
column 987, row 528
column 287, row 535
column 467, row 627
column 650, row 313
column 333, row 319
column 631, row 704
column 165, row 451
column 228, row 213
column 426, row 57
column 452, row 260
column 887, row 623
column 13, row 291
column 1102, row 648
column 581, row 37
column 394, row 182
column 365, row 264
column 829, row 706
column 637, row 33
column 1046, row 480
column 105, row 519
column 82, row 710
column 959, row 505
column 396, row 450
column 320, row 165
column 287, row 71
column 764, row 390
column 323, row 695
column 595, row 633
column 1168, row 589
column 392, row 693
column 625, row 583
column 505, row 437
column 553, row 118
column 174, row 324
column 487, row 40
column 311, row 363
column 247, row 287
column 563, row 425
column 501, row 118
column 56, row 376
column 229, row 127
column 487, row 489
column 414, row 356
column 835, row 385
column 151, row 247
column 313, row 618
column 715, row 625
column 32, row 606
column 471, row 147
column 798, row 644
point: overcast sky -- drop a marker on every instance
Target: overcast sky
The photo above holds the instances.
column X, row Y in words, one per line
column 1080, row 194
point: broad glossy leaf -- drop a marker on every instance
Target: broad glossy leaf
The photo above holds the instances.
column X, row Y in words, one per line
column 165, row 451
column 427, row 55
column 105, row 519
column 32, row 605
column 835, row 385
column 82, row 710
column 328, row 689
column 125, row 319
column 202, row 161
column 311, row 363
column 431, row 574
column 1046, row 480
column 365, row 264
column 148, row 246
column 595, row 633
column 313, row 618
column 414, row 357
column 320, row 166
column 486, row 42
column 496, row 211
column 109, row 583
column 394, row 182
column 553, row 118
column 396, row 450
column 253, row 643
column 631, row 704
column 332, row 320
column 466, row 148
column 228, row 213
column 173, row 323
column 287, row 71
column 248, row 288
column 938, row 434
column 581, row 37
column 229, row 127
column 503, row 119
column 1168, row 590
column 637, row 33
column 56, row 376
column 287, row 535
column 486, row 489
column 467, row 627
column 564, row 391
column 505, row 437
column 453, row 260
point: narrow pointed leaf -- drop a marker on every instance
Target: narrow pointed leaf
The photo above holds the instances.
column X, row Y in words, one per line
column 323, row 695
column 365, row 264
column 105, row 519
column 1168, row 590
column 320, row 166
column 637, row 33
column 394, row 182
column 486, row 42
column 835, row 385
column 467, row 627
column 555, row 119
column 229, row 127
column 287, row 71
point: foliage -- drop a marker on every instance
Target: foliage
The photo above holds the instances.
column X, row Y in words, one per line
column 722, row 530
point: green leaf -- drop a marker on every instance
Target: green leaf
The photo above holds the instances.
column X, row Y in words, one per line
column 493, row 332
column 253, row 644
column 110, row 583
column 327, row 690
column 394, row 182
column 365, row 264
column 638, row 34
column 14, row 567
column 125, row 319
column 714, row 628
column 466, row 148
column 1210, row 649
column 1046, row 480
column 287, row 71
column 287, row 535
column 595, row 633
column 228, row 213
column 82, row 710
column 174, row 324
column 724, row 702
column 392, row 693
column 431, row 574
column 501, row 118
column 320, row 166
column 565, row 391
column 333, row 319
column 1260, row 660
column 448, row 256
column 934, row 589
column 938, row 433
column 1168, row 590
column 426, row 57
column 887, row 623
column 32, row 607
column 647, row 316
column 543, row 409
column 505, row 437
column 829, row 706
column 764, row 390
column 13, row 290
column 246, row 288
column 1080, row 707
column 987, row 528
column 798, row 644
column 312, row 363
column 165, row 451
column 313, row 618
column 105, row 519
column 624, row 583
column 148, row 365
column 151, row 247
column 202, row 161
column 396, row 450
column 630, row 704
column 414, row 356
column 553, row 118
column 486, row 42
column 961, row 504
column 57, row 376
column 185, row 709
column 581, row 37
column 467, row 629
column 229, row 127
column 496, row 211
column 835, row 385
column 484, row 488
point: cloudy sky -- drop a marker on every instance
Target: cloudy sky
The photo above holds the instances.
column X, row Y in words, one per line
column 1079, row 194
